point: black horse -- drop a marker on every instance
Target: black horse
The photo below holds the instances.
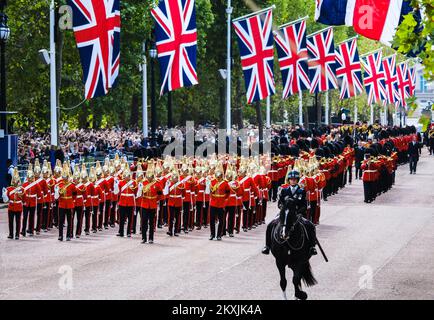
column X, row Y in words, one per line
column 290, row 246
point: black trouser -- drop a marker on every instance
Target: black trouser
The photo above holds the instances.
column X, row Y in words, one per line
column 101, row 215
column 113, row 213
column 231, row 219
column 68, row 214
column 216, row 213
column 147, row 220
column 45, row 216
column 202, row 209
column 79, row 214
column 136, row 212
column 94, row 218
column 126, row 216
column 247, row 212
column 39, row 209
column 264, row 209
column 17, row 216
column 185, row 215
column 87, row 214
column 174, row 214
column 413, row 164
column 162, row 214
column 368, row 188
column 350, row 174
column 107, row 211
column 312, row 210
column 56, row 213
column 274, row 189
column 358, row 171
column 27, row 211
column 431, row 148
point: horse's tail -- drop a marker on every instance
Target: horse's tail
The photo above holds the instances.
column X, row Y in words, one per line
column 307, row 276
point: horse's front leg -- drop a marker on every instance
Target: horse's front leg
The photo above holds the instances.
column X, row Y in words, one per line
column 281, row 265
column 296, row 280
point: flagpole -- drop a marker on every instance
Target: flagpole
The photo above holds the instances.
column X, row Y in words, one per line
column 229, row 10
column 317, row 32
column 300, row 108
column 349, row 39
column 254, row 13
column 145, row 94
column 355, row 110
column 53, row 98
column 268, row 112
column 327, row 109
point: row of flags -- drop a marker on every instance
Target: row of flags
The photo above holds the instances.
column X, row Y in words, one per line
column 306, row 62
column 312, row 62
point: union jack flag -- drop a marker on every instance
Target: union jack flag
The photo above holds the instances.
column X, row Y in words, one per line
column 403, row 83
column 292, row 52
column 391, row 79
column 176, row 35
column 374, row 78
column 412, row 78
column 97, row 26
column 255, row 41
column 322, row 61
column 349, row 69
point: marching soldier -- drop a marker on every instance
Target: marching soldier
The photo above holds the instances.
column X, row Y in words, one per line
column 248, row 187
column 175, row 191
column 42, row 183
column 49, row 197
column 13, row 195
column 126, row 189
column 79, row 200
column 88, row 200
column 65, row 192
column 101, row 189
column 108, row 182
column 220, row 191
column 150, row 190
column 202, row 198
column 232, row 202
column 32, row 192
column 187, row 204
column 57, row 179
column 369, row 177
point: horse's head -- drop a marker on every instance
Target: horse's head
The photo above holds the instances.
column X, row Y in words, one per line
column 289, row 214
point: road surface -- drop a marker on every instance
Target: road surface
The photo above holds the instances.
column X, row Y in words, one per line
column 382, row 250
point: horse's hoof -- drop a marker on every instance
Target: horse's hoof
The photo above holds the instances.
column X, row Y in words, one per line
column 301, row 295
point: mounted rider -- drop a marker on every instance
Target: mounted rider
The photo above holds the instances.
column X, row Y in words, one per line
column 292, row 191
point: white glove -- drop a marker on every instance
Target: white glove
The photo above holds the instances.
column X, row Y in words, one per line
column 56, row 192
column 166, row 188
column 207, row 187
column 116, row 187
column 140, row 190
column 5, row 195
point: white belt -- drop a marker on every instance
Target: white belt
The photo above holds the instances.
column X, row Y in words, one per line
column 201, row 191
column 32, row 196
column 79, row 197
column 232, row 196
column 175, row 196
column 246, row 190
column 127, row 195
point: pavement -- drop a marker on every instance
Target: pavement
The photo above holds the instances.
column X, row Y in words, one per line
column 382, row 250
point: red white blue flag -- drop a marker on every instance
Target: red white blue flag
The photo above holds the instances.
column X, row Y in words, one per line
column 403, row 83
column 412, row 78
column 176, row 36
column 322, row 61
column 374, row 77
column 97, row 26
column 293, row 58
column 349, row 69
column 391, row 79
column 255, row 42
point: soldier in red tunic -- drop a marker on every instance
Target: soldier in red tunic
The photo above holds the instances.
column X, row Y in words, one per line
column 79, row 200
column 100, row 186
column 109, row 180
column 41, row 199
column 57, row 179
column 65, row 192
column 249, row 189
column 14, row 196
column 232, row 202
column 150, row 190
column 189, row 184
column 49, row 197
column 126, row 189
column 175, row 191
column 202, row 197
column 369, row 177
column 32, row 192
column 89, row 192
column 220, row 191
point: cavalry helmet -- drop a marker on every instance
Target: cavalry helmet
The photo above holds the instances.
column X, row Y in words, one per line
column 294, row 174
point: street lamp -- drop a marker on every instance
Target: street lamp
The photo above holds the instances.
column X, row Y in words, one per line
column 4, row 36
column 153, row 54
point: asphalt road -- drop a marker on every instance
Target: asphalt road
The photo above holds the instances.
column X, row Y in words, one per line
column 382, row 250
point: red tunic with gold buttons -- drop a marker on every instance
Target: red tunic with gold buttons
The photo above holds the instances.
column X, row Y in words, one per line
column 32, row 192
column 150, row 194
column 190, row 188
column 81, row 195
column 100, row 190
column 127, row 193
column 249, row 187
column 176, row 194
column 67, row 193
column 235, row 193
column 201, row 195
column 49, row 197
column 220, row 192
column 90, row 190
column 109, row 183
column 15, row 199
column 44, row 190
